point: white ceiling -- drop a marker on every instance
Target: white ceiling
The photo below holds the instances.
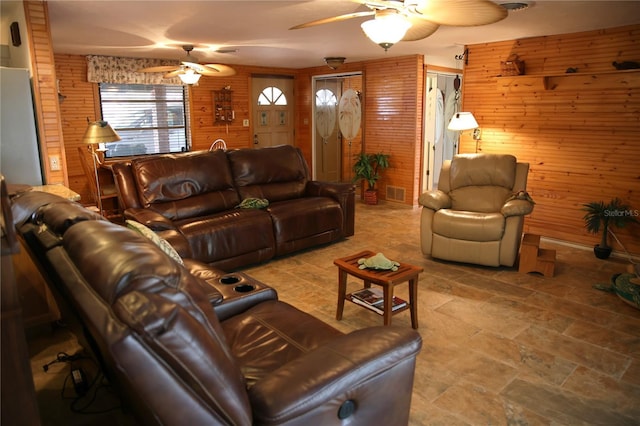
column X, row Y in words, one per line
column 259, row 29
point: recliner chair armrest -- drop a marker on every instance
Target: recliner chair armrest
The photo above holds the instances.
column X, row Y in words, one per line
column 343, row 193
column 435, row 200
column 361, row 366
column 335, row 190
column 516, row 208
column 149, row 218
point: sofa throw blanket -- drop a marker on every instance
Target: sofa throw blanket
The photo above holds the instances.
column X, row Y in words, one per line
column 253, row 203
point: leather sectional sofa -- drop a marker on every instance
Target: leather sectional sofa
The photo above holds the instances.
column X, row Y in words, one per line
column 191, row 199
column 187, row 344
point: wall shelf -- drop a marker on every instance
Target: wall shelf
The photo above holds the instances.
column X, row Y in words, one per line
column 570, row 81
column 223, row 106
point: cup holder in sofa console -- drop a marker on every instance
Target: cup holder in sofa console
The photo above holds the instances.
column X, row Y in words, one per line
column 229, row 279
column 244, row 288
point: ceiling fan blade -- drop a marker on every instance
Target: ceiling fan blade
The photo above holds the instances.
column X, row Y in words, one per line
column 163, row 68
column 462, row 13
column 216, row 70
column 228, row 50
column 419, row 29
column 174, row 73
column 333, row 19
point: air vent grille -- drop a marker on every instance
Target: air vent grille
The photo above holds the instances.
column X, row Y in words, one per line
column 395, row 193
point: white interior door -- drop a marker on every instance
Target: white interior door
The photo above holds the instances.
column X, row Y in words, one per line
column 442, row 100
column 273, row 111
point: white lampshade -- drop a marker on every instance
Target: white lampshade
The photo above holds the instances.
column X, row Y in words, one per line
column 462, row 121
column 388, row 28
column 189, row 77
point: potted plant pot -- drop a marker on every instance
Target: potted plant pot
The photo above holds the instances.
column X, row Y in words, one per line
column 371, row 196
column 602, row 252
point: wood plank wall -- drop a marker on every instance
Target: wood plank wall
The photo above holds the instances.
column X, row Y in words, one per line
column 393, row 122
column 45, row 90
column 581, row 135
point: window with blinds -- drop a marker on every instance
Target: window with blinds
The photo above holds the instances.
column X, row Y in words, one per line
column 150, row 119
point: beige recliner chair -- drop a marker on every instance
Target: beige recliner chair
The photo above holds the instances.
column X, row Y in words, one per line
column 476, row 215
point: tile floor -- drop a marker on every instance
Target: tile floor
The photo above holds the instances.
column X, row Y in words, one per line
column 499, row 347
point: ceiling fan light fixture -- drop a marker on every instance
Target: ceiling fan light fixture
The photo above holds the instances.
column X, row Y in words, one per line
column 388, row 28
column 334, row 62
column 189, row 77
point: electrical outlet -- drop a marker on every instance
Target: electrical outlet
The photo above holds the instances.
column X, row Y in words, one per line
column 54, row 163
column 245, row 122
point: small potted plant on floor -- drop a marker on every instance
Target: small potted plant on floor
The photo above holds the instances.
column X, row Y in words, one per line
column 601, row 216
column 368, row 167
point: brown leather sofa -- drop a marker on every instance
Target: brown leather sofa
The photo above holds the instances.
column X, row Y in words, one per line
column 187, row 344
column 191, row 199
column 476, row 215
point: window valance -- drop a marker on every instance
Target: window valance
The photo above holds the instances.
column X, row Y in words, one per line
column 113, row 69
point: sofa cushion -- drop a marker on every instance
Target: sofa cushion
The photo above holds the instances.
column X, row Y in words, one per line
column 485, row 199
column 180, row 186
column 275, row 173
column 230, row 234
column 296, row 220
column 116, row 260
column 471, row 226
column 195, row 352
column 481, row 170
column 271, row 334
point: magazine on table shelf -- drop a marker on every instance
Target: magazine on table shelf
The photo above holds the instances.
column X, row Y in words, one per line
column 373, row 298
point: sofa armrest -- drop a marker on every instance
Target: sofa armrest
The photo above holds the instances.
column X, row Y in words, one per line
column 361, row 366
column 149, row 218
column 435, row 200
column 344, row 194
column 516, row 208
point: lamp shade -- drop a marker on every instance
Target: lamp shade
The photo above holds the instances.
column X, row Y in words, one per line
column 99, row 132
column 189, row 77
column 462, row 121
column 388, row 28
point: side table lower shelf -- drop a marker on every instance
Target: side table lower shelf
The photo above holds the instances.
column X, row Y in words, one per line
column 402, row 306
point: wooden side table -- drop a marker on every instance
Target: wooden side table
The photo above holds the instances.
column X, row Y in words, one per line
column 386, row 278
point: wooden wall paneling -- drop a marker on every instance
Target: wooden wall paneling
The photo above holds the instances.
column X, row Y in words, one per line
column 45, row 90
column 80, row 104
column 579, row 133
column 393, row 120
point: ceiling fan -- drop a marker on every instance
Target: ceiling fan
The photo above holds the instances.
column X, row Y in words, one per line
column 408, row 20
column 189, row 70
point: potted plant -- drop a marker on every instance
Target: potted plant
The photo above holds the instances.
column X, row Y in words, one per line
column 603, row 216
column 368, row 167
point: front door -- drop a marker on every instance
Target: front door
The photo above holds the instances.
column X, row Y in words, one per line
column 328, row 139
column 273, row 111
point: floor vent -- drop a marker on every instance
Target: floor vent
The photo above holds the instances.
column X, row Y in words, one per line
column 395, row 193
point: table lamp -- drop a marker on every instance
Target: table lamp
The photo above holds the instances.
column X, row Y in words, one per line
column 98, row 132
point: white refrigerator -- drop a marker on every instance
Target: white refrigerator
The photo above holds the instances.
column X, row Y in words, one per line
column 20, row 161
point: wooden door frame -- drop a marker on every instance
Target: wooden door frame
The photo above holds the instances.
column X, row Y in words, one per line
column 314, row 81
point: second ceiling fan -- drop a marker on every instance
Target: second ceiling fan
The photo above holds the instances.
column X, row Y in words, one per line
column 189, row 70
column 409, row 20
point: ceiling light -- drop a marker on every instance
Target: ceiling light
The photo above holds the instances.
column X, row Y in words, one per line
column 388, row 28
column 334, row 62
column 189, row 77
column 515, row 5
